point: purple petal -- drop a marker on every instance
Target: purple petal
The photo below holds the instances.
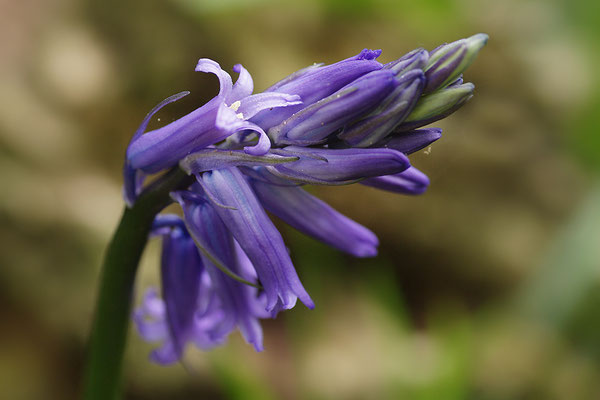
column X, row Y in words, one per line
column 411, row 141
column 209, row 159
column 314, row 217
column 172, row 320
column 340, row 165
column 211, row 123
column 152, row 305
column 164, row 147
column 252, row 105
column 167, row 354
column 237, row 301
column 225, row 82
column 259, row 238
column 366, row 54
column 412, row 182
column 416, row 59
column 243, row 86
column 181, row 268
column 132, row 179
column 150, row 317
column 294, row 76
column 228, row 122
column 168, row 221
column 151, row 331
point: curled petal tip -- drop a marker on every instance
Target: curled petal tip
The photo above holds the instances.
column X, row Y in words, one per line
column 261, row 148
column 206, row 65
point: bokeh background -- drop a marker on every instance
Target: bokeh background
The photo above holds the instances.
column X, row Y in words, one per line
column 486, row 287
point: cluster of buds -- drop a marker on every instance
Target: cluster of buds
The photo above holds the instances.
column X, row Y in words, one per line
column 224, row 264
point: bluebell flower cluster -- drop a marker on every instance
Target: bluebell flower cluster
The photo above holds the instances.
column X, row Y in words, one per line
column 224, row 264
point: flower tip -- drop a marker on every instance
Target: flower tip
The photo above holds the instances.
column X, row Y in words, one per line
column 309, row 304
column 164, row 356
column 207, row 65
column 478, row 40
column 366, row 251
column 258, row 346
column 467, row 87
column 261, row 148
column 368, row 54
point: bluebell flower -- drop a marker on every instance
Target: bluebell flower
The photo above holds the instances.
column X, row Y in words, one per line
column 186, row 311
column 241, row 304
column 218, row 119
column 261, row 241
column 199, row 304
column 224, row 264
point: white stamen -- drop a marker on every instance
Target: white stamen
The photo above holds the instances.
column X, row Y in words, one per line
column 428, row 151
column 235, row 105
column 239, row 115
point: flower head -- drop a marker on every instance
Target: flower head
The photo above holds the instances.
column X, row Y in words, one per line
column 225, row 264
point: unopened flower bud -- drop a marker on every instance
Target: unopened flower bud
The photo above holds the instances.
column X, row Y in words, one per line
column 447, row 62
column 392, row 112
column 416, row 59
column 436, row 106
column 316, row 122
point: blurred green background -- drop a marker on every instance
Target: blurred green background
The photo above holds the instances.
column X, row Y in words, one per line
column 486, row 287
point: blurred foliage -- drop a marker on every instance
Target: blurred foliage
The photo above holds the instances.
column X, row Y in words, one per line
column 486, row 287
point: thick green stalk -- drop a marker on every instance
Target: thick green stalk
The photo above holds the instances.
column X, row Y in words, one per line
column 113, row 307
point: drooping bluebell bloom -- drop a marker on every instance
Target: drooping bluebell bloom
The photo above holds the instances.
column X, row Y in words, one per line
column 225, row 265
column 218, row 119
column 257, row 236
column 241, row 304
column 187, row 308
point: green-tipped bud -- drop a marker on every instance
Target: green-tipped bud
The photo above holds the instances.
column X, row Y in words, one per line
column 448, row 61
column 437, row 105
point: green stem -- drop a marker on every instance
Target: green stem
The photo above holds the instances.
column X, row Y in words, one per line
column 113, row 307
